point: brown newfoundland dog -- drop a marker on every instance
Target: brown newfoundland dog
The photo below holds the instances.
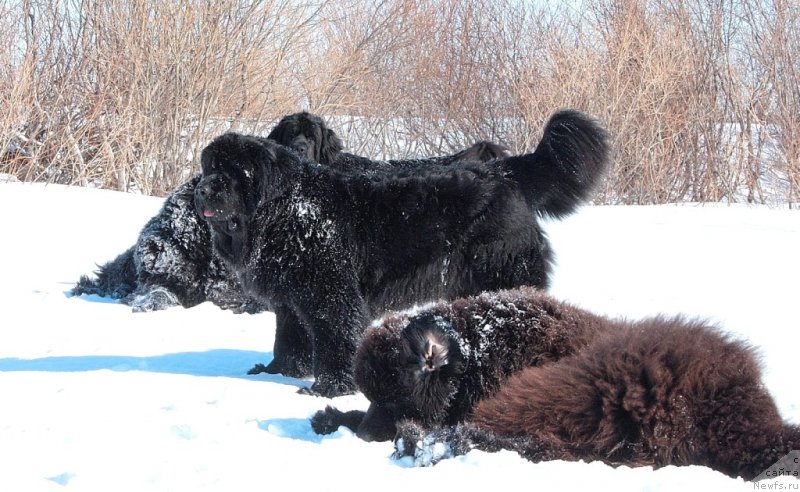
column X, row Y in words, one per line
column 519, row 370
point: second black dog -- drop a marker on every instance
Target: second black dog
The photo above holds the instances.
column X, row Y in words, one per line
column 309, row 135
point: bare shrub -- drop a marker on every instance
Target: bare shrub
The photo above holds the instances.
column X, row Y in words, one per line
column 776, row 50
column 122, row 95
column 701, row 98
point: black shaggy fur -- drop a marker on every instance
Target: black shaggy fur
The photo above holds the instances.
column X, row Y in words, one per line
column 309, row 135
column 335, row 250
column 172, row 262
column 664, row 391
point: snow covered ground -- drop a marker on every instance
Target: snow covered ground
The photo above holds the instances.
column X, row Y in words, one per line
column 94, row 397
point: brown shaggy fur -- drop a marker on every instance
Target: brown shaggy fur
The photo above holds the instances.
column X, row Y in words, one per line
column 664, row 391
column 519, row 370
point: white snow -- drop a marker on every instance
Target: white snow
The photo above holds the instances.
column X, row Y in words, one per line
column 97, row 398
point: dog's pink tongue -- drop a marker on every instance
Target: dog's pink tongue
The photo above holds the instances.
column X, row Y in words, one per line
column 207, row 212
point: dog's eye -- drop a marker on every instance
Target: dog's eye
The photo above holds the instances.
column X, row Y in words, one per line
column 233, row 224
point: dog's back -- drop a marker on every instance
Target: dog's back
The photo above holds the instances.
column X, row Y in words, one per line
column 457, row 230
column 441, row 232
column 665, row 391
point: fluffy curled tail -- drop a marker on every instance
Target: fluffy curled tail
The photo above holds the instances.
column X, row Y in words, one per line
column 115, row 279
column 566, row 166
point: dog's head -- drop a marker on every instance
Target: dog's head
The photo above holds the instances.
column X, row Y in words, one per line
column 238, row 173
column 483, row 151
column 408, row 372
column 309, row 136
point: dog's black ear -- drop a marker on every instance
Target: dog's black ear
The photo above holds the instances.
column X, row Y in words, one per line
column 268, row 180
column 431, row 345
column 330, row 147
column 277, row 133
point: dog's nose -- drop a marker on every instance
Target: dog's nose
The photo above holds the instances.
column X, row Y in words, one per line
column 202, row 190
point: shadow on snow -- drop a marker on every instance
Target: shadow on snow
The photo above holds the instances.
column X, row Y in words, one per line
column 211, row 363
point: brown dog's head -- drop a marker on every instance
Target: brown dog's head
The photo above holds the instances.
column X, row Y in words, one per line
column 408, row 369
column 309, row 136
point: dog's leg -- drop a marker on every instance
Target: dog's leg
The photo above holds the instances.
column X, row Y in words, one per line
column 292, row 352
column 336, row 317
column 428, row 447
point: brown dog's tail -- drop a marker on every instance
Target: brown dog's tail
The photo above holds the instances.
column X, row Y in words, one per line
column 566, row 166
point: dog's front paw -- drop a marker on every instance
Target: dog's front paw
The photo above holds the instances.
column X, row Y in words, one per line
column 292, row 368
column 406, row 439
column 327, row 421
column 329, row 387
column 153, row 300
column 426, row 448
column 260, row 368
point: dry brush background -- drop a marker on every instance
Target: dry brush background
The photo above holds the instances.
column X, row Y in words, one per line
column 702, row 97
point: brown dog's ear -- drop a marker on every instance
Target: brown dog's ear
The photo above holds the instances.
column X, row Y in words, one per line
column 330, row 147
column 431, row 345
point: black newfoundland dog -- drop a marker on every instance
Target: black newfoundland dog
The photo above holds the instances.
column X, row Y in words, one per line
column 172, row 262
column 519, row 370
column 335, row 250
column 308, row 135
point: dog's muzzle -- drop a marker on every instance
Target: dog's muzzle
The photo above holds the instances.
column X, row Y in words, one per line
column 209, row 199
